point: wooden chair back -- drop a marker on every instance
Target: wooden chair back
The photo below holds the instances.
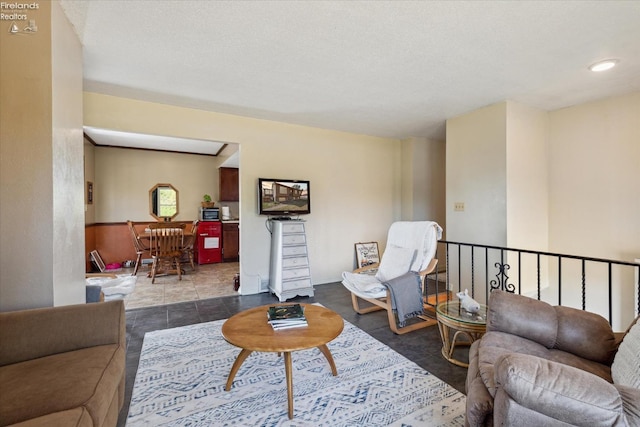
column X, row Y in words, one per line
column 166, row 242
column 137, row 243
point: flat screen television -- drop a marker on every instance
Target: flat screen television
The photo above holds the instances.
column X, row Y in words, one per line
column 284, row 197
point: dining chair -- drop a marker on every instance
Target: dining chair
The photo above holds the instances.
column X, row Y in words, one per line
column 166, row 244
column 189, row 243
column 139, row 246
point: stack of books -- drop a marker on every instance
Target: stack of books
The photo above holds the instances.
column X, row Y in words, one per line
column 286, row 316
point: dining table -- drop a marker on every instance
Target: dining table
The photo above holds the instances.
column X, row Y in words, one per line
column 188, row 239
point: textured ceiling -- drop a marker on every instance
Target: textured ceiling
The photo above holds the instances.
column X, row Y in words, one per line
column 385, row 68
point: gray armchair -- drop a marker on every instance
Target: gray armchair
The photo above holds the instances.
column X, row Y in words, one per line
column 544, row 365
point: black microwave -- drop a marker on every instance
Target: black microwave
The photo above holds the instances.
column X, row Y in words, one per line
column 209, row 214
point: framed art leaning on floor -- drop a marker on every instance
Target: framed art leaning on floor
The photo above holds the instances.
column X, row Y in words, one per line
column 367, row 254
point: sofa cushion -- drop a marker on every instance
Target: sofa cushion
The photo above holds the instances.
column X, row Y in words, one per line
column 524, row 317
column 578, row 330
column 631, row 402
column 496, row 344
column 87, row 378
column 625, row 369
column 558, row 391
column 78, row 417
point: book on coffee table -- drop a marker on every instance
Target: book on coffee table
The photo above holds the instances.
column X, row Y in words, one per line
column 286, row 316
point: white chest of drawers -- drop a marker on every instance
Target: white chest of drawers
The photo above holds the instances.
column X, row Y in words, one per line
column 289, row 274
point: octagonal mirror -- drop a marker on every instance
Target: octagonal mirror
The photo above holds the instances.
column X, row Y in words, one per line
column 163, row 202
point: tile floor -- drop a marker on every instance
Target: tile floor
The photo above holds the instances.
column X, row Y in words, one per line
column 422, row 346
column 206, row 281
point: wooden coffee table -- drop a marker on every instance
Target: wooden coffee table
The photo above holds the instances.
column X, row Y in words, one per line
column 250, row 331
column 451, row 316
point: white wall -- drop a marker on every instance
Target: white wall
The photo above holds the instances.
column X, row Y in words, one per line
column 354, row 178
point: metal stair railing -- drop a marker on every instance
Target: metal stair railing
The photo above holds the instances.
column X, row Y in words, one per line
column 608, row 287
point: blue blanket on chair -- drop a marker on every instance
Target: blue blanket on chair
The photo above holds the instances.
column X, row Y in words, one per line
column 406, row 296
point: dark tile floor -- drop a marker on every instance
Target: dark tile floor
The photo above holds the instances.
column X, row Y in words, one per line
column 422, row 346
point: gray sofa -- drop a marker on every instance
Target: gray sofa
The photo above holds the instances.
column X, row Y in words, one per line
column 63, row 366
column 546, row 365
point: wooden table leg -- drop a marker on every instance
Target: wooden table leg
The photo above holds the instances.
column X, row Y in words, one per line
column 236, row 365
column 289, row 374
column 446, row 343
column 323, row 348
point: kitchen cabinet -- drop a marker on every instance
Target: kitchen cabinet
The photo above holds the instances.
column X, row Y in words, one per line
column 230, row 241
column 229, row 185
column 290, row 274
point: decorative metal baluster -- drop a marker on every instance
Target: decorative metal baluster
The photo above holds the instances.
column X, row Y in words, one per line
column 459, row 268
column 584, row 286
column 519, row 272
column 486, row 273
column 502, row 277
column 447, row 271
column 538, row 271
column 560, row 280
column 473, row 285
column 638, row 294
column 610, row 293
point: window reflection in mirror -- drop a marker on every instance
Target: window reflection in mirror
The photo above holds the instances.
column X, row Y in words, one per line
column 163, row 202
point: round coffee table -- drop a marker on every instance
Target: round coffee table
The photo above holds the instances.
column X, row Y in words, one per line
column 451, row 316
column 250, row 331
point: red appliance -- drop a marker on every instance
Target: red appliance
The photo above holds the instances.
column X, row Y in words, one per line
column 209, row 242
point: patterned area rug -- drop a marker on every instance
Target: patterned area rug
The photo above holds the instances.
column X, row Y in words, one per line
column 183, row 371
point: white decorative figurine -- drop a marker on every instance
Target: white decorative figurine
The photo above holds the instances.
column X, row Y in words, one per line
column 468, row 303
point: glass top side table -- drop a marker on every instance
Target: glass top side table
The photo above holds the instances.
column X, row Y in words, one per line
column 452, row 317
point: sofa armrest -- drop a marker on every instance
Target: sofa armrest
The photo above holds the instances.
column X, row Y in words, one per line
column 557, row 391
column 30, row 334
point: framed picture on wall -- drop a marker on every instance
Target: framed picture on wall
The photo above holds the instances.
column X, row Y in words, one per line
column 89, row 192
column 367, row 254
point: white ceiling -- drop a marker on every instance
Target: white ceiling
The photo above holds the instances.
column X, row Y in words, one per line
column 386, row 68
column 111, row 138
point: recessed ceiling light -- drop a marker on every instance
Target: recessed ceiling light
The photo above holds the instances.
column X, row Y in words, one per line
column 607, row 64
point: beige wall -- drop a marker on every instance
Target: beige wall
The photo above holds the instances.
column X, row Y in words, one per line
column 565, row 181
column 423, row 180
column 123, row 178
column 354, row 178
column 527, row 177
column 41, row 216
column 594, row 202
column 68, row 171
column 90, row 176
column 594, row 167
column 476, row 176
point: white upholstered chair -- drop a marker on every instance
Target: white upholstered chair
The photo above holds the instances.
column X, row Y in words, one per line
column 411, row 246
